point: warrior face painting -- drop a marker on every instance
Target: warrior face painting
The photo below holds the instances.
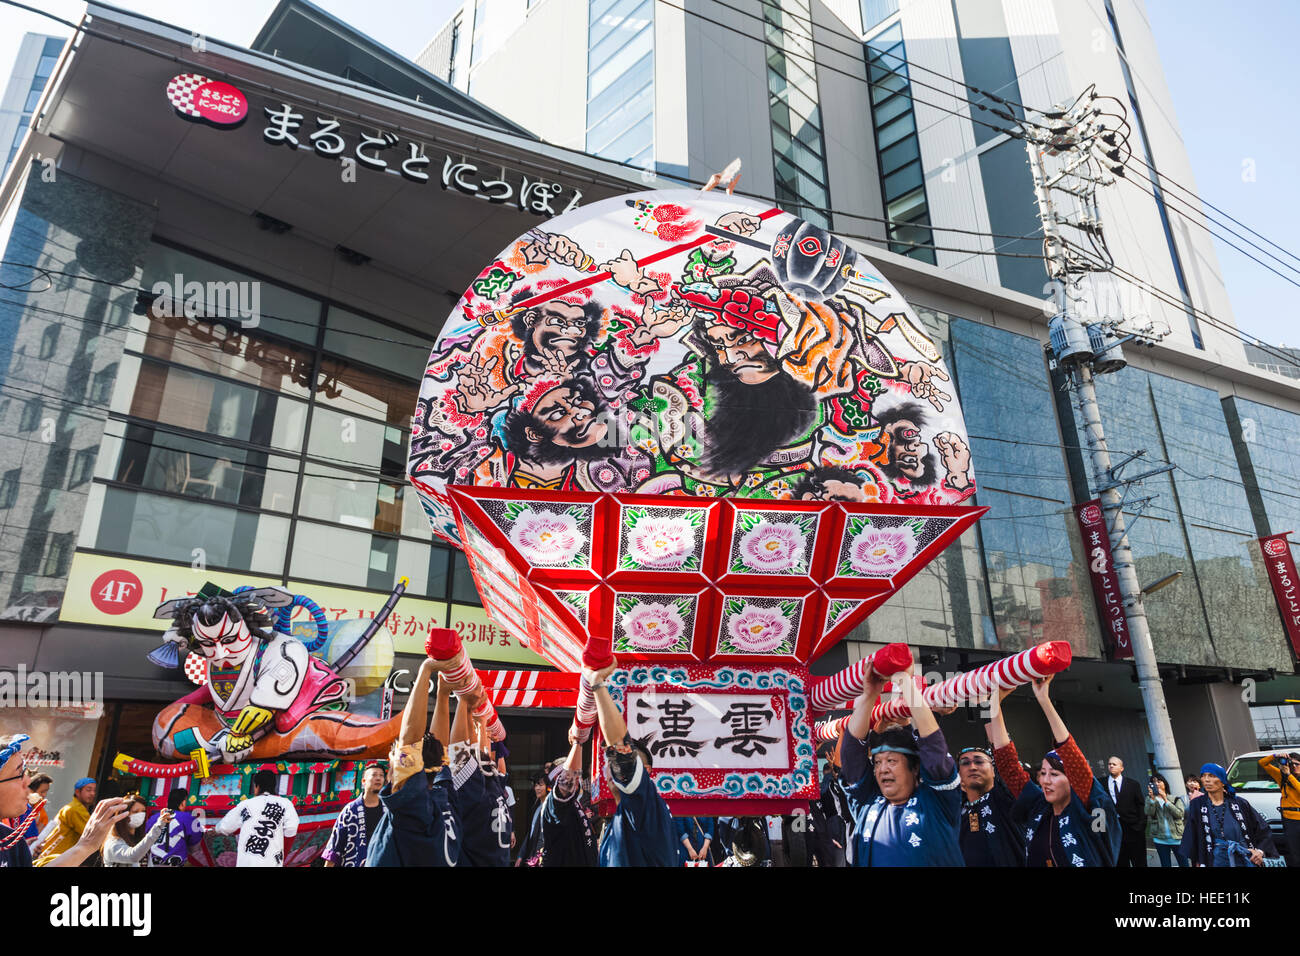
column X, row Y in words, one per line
column 679, row 343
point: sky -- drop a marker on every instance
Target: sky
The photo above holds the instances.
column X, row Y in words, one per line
column 1230, row 71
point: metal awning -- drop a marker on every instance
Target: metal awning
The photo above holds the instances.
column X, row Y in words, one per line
column 109, row 98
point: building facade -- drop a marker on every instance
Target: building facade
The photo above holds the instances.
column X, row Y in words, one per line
column 260, row 436
column 37, row 55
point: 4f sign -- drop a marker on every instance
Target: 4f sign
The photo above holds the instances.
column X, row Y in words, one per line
column 198, row 98
column 116, row 592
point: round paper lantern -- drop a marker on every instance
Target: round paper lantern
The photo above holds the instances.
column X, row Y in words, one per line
column 679, row 343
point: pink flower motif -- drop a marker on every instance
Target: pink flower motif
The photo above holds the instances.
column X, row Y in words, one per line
column 757, row 630
column 773, row 546
column 661, row 544
column 881, row 552
column 650, row 626
column 544, row 538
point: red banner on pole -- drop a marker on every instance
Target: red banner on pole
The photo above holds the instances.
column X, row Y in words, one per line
column 1105, row 582
column 1286, row 583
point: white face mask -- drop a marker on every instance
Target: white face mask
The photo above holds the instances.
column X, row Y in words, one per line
column 135, row 820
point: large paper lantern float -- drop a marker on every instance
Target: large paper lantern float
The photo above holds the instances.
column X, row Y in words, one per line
column 705, row 437
column 274, row 680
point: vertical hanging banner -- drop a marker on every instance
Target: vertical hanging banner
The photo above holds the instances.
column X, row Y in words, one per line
column 1105, row 582
column 1286, row 584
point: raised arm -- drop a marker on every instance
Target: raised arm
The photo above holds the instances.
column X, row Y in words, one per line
column 102, row 818
column 441, row 712
column 415, row 716
column 1072, row 759
column 1005, row 758
column 612, row 725
column 859, row 724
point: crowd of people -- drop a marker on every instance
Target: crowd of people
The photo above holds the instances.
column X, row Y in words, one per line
column 892, row 795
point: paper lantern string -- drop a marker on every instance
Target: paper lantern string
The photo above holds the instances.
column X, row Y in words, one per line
column 20, row 825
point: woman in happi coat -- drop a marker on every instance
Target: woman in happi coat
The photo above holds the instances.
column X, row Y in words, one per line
column 1069, row 819
column 1223, row 829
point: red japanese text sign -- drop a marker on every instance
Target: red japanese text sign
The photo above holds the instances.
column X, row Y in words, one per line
column 1286, row 584
column 1105, row 582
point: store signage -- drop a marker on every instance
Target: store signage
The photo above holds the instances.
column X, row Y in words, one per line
column 386, row 152
column 1286, row 584
column 196, row 97
column 123, row 592
column 1105, row 582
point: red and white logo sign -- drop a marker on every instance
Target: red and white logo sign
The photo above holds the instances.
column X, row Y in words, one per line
column 116, row 592
column 1090, row 514
column 197, row 97
column 1274, row 547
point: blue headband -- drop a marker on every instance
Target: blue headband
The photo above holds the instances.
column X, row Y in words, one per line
column 84, row 781
column 890, row 748
column 15, row 744
column 1221, row 773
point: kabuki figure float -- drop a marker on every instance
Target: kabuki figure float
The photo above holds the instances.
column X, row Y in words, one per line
column 705, row 438
column 271, row 691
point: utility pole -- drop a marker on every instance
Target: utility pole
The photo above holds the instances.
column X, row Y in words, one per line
column 1090, row 152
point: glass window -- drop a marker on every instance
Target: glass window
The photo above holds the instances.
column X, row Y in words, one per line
column 223, row 350
column 352, row 389
column 637, row 107
column 9, row 487
column 159, row 460
column 904, row 180
column 638, row 75
column 462, row 581
column 277, row 310
column 185, row 530
column 31, row 417
column 45, row 66
column 340, row 556
column 218, row 407
column 611, row 31
column 33, row 97
column 383, row 346
column 345, row 439
column 83, row 467
column 620, row 60
column 1007, row 181
column 361, row 501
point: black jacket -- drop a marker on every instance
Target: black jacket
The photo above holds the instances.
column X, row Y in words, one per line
column 1130, row 805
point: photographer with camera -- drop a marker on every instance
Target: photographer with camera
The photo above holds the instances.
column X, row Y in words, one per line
column 1285, row 771
column 1165, row 821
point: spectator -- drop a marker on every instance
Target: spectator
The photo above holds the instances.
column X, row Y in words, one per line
column 641, row 832
column 1127, row 797
column 1285, row 771
column 183, row 832
column 1057, row 812
column 1222, row 828
column 531, row 854
column 748, row 843
column 37, row 791
column 694, row 835
column 356, row 823
column 419, row 826
column 567, row 839
column 1165, row 821
column 902, row 787
column 71, row 821
column 14, row 780
column 263, row 822
column 1193, row 785
column 987, row 834
column 128, row 841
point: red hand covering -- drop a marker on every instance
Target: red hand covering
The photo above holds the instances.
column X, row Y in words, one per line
column 1008, row 763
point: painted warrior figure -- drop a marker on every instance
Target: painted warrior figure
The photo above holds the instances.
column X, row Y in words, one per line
column 266, row 696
